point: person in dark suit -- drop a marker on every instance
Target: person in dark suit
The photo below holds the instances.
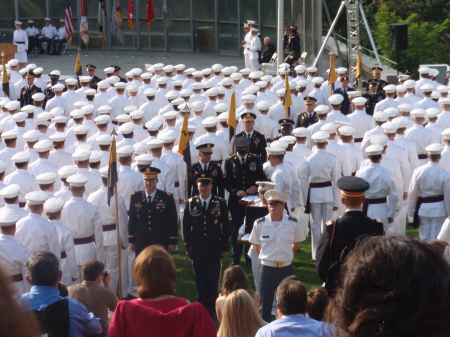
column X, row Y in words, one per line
column 345, row 105
column 116, row 72
column 373, row 96
column 241, row 173
column 28, row 91
column 268, row 52
column 376, row 73
column 152, row 215
column 258, row 141
column 206, row 233
column 204, row 153
column 309, row 117
column 341, row 235
column 94, row 78
column 286, row 127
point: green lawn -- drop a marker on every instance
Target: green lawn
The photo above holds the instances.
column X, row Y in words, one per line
column 304, row 269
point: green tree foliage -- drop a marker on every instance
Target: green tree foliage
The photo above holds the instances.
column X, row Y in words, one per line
column 427, row 41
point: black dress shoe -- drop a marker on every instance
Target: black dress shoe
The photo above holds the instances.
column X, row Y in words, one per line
column 235, row 263
column 313, row 260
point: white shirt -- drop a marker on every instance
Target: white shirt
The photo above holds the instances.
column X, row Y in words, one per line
column 65, row 239
column 167, row 177
column 25, row 180
column 49, row 31
column 420, row 136
column 286, row 178
column 220, row 149
column 362, row 122
column 129, row 181
column 179, row 166
column 14, row 258
column 94, row 181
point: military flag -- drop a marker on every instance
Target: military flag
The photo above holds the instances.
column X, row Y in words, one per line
column 116, row 22
column 231, row 121
column 287, row 97
column 150, row 12
column 5, row 80
column 185, row 150
column 102, row 19
column 113, row 177
column 69, row 21
column 131, row 14
column 84, row 30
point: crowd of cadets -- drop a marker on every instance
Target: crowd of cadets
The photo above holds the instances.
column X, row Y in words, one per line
column 56, row 139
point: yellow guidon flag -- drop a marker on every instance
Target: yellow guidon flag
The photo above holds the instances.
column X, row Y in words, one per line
column 359, row 65
column 231, row 121
column 332, row 77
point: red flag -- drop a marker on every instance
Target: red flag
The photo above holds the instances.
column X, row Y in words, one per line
column 150, row 12
column 131, row 14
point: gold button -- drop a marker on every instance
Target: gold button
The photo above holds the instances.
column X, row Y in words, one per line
column 204, row 223
column 204, row 228
column 149, row 229
column 204, row 234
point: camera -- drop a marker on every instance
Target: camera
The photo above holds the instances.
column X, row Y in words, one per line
column 105, row 274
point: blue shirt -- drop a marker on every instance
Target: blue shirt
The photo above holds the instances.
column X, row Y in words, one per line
column 295, row 325
column 82, row 322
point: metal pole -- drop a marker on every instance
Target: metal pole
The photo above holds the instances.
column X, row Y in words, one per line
column 369, row 33
column 138, row 26
column 329, row 33
column 280, row 51
column 327, row 13
column 216, row 27
column 16, row 9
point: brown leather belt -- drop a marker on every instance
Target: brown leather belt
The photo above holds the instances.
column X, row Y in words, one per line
column 63, row 255
column 20, row 42
column 314, row 185
column 17, row 278
column 82, row 241
column 424, row 200
column 177, row 184
column 422, row 156
column 108, row 228
column 368, row 202
column 358, row 140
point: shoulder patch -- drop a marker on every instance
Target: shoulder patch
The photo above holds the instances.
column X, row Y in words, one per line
column 169, row 193
column 378, row 220
column 260, row 219
column 133, row 193
column 330, row 223
column 219, row 198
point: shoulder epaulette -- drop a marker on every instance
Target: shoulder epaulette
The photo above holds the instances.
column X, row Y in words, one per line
column 293, row 218
column 219, row 198
column 133, row 193
column 169, row 193
column 231, row 157
column 330, row 223
column 260, row 219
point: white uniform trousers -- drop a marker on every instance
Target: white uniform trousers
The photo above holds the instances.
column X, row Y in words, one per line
column 303, row 219
column 320, row 214
column 399, row 224
column 429, row 228
column 379, row 211
column 247, row 61
column 254, row 64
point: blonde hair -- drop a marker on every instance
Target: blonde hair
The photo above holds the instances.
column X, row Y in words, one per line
column 240, row 318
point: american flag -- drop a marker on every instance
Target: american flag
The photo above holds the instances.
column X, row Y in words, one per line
column 116, row 22
column 69, row 24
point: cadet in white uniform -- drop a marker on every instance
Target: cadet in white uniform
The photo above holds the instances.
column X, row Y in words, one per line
column 130, row 181
column 81, row 158
column 276, row 238
column 14, row 256
column 35, row 232
column 85, row 222
column 68, row 266
column 389, row 101
column 429, row 199
column 320, row 172
column 42, row 164
column 419, row 135
column 108, row 219
column 220, row 150
column 361, row 121
column 10, row 194
column 382, row 196
column 167, row 176
column 20, row 39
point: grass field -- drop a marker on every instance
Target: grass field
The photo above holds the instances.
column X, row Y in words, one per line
column 304, row 269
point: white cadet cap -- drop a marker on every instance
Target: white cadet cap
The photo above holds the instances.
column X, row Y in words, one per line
column 347, row 130
column 137, row 114
column 38, row 70
column 126, row 128
column 57, row 111
column 77, row 180
column 336, row 99
column 170, row 115
column 206, row 84
column 329, row 127
column 318, row 80
column 198, row 106
column 196, row 86
column 77, row 113
column 46, row 178
column 113, row 79
column 418, row 112
column 58, row 136
column 281, row 92
column 10, row 191
column 380, row 116
column 153, row 124
column 405, row 107
column 400, row 88
column 12, row 105
column 20, row 117
column 279, row 144
column 434, row 148
column 321, row 109
column 445, row 100
column 21, row 157
column 300, row 69
column 81, row 155
column 402, row 121
column 60, row 119
column 359, row 101
column 427, row 87
column 392, row 112
column 409, row 84
column 67, row 170
column 104, row 139
column 424, row 70
column 120, row 85
column 264, row 186
column 210, row 122
column 390, row 127
column 54, row 205
column 446, row 133
column 288, row 139
column 275, row 150
column 172, row 94
column 43, row 145
column 103, row 84
column 221, row 107
column 147, row 75
column 85, row 79
column 249, row 98
column 150, row 92
column 238, row 76
column 390, row 88
column 374, row 149
column 123, row 118
column 140, row 148
column 90, row 92
column 245, row 71
column 2, row 166
column 58, row 87
column 320, row 136
column 223, row 117
column 443, row 88
column 185, row 107
column 95, row 156
column 36, row 197
column 108, row 70
column 155, row 143
column 168, row 137
column 11, row 134
column 192, row 127
column 9, row 216
column 104, row 109
column 379, row 139
column 263, row 105
column 273, row 196
column 186, row 92
column 29, row 108
column 104, row 172
column 80, row 104
column 80, row 129
column 435, row 94
column 102, row 119
column 300, row 132
column 354, row 93
column 433, row 112
column 125, row 151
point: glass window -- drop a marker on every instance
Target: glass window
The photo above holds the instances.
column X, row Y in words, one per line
column 30, row 10
column 228, row 39
column 227, row 10
column 180, row 36
column 204, row 37
column 203, row 10
column 156, row 35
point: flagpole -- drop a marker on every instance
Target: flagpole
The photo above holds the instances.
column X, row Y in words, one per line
column 103, row 45
column 118, row 47
column 134, row 50
column 287, row 113
column 165, row 42
column 149, row 56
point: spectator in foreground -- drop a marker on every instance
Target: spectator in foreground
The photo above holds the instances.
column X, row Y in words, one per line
column 157, row 309
column 392, row 286
column 240, row 317
column 317, row 303
column 234, row 278
column 44, row 275
column 292, row 304
column 92, row 295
